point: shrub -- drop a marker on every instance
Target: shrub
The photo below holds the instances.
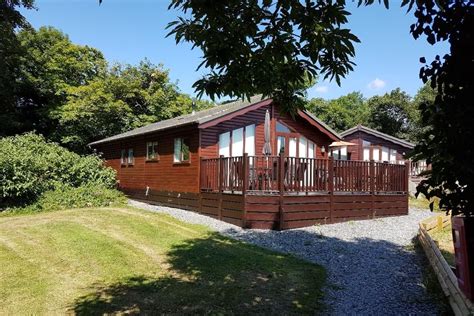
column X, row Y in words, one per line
column 64, row 197
column 30, row 166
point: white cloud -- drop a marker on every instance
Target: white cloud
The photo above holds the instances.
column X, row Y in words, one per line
column 322, row 89
column 376, row 84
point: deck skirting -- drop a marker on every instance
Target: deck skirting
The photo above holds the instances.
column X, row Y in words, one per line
column 280, row 212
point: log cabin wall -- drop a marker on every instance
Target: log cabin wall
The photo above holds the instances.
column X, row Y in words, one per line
column 162, row 175
column 358, row 137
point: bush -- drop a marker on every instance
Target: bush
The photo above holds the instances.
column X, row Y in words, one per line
column 31, row 166
column 89, row 195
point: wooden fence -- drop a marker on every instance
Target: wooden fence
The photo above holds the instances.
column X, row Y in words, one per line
column 447, row 279
column 272, row 174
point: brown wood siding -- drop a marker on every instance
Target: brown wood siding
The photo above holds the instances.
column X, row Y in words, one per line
column 161, row 175
column 302, row 211
column 358, row 137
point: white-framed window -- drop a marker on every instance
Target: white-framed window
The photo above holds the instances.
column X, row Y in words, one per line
column 393, row 155
column 224, row 144
column 292, row 147
column 376, row 153
column 237, row 142
column 343, row 153
column 311, row 149
column 181, row 150
column 233, row 143
column 366, row 154
column 280, row 128
column 385, row 154
column 123, row 157
column 302, row 150
column 152, row 151
column 130, row 159
column 250, row 140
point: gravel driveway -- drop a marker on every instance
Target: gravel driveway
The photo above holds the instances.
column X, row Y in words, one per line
column 372, row 267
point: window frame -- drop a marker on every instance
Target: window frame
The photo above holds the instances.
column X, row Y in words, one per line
column 244, row 139
column 154, row 145
column 123, row 157
column 130, row 158
column 184, row 140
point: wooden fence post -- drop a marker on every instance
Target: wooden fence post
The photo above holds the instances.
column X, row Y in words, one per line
column 245, row 184
column 281, row 189
column 331, row 188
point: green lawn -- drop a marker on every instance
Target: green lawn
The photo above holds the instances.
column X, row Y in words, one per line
column 444, row 239
column 422, row 203
column 124, row 260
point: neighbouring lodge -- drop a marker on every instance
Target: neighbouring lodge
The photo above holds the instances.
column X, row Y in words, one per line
column 250, row 164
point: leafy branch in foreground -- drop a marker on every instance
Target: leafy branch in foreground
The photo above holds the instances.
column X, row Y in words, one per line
column 272, row 47
column 447, row 138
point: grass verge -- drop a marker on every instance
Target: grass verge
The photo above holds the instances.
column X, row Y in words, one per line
column 122, row 260
column 444, row 240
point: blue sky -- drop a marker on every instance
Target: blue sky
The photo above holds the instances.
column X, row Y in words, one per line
column 128, row 31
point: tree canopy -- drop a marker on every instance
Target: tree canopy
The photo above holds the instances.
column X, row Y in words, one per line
column 265, row 47
column 70, row 94
column 11, row 51
column 341, row 113
column 447, row 140
column 395, row 114
column 125, row 98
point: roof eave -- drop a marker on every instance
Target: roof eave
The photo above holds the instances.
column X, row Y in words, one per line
column 106, row 140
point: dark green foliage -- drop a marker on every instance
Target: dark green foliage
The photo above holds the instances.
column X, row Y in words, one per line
column 268, row 47
column 125, row 98
column 10, row 59
column 341, row 113
column 30, row 166
column 67, row 197
column 449, row 134
column 68, row 93
column 49, row 66
column 395, row 114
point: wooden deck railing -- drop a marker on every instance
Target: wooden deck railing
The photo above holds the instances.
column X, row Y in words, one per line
column 272, row 174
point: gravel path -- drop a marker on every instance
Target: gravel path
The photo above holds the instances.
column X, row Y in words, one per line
column 371, row 265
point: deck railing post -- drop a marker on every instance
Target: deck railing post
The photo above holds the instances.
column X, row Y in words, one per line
column 331, row 187
column 372, row 186
column 245, row 170
column 406, row 182
column 281, row 189
column 220, row 180
column 245, row 185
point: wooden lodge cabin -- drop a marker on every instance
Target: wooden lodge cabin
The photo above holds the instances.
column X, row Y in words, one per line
column 369, row 144
column 211, row 162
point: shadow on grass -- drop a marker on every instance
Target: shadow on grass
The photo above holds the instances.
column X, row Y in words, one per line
column 215, row 275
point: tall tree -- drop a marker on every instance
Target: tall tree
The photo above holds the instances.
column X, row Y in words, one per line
column 50, row 66
column 126, row 97
column 341, row 113
column 11, row 51
column 393, row 114
column 448, row 138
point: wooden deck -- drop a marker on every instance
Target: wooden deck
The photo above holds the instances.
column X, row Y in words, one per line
column 285, row 192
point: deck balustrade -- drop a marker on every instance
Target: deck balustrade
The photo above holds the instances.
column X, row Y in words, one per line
column 290, row 175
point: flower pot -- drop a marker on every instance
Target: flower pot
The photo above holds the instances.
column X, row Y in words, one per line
column 463, row 239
